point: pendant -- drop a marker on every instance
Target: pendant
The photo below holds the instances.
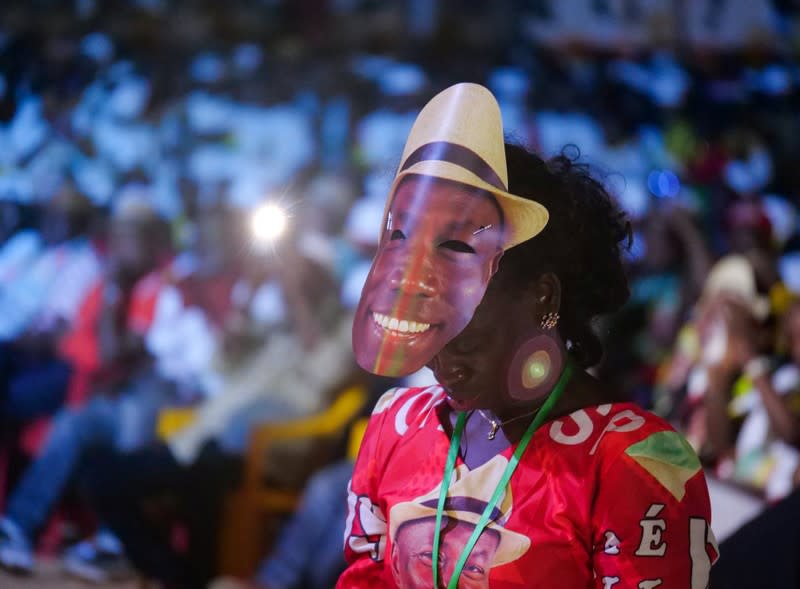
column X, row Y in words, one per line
column 493, row 431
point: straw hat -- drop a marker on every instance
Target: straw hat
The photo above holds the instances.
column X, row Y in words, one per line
column 467, row 497
column 458, row 136
column 734, row 276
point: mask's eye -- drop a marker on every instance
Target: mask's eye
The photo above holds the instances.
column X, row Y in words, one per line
column 397, row 234
column 457, row 246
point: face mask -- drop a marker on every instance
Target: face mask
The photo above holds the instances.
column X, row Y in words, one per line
column 447, row 222
column 439, row 248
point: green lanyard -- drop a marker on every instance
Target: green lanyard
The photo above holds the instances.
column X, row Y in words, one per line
column 455, row 444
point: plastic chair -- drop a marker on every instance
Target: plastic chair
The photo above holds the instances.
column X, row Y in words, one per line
column 357, row 431
column 243, row 526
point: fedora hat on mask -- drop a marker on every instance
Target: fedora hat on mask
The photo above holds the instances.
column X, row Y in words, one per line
column 458, row 136
column 467, row 497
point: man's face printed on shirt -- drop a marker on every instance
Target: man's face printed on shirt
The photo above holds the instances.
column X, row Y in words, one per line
column 412, row 554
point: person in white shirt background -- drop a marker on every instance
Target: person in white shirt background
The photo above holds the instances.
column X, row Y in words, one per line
column 34, row 315
column 122, row 405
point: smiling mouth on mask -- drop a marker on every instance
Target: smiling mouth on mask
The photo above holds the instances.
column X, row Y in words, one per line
column 400, row 326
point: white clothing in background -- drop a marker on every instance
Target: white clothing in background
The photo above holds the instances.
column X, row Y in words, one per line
column 182, row 342
column 17, row 255
column 53, row 287
column 759, row 453
column 185, row 344
column 281, row 371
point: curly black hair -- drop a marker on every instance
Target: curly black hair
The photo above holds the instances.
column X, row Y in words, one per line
column 582, row 244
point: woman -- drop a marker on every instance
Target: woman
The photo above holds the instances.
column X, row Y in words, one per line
column 755, row 429
column 605, row 495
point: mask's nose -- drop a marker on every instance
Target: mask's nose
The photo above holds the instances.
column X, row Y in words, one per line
column 416, row 276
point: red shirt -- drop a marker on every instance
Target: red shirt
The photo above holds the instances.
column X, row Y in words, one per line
column 81, row 345
column 607, row 497
column 211, row 293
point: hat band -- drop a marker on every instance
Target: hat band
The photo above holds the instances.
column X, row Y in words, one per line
column 467, row 504
column 455, row 154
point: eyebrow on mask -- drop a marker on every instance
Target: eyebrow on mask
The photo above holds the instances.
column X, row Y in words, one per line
column 404, row 216
column 461, row 225
column 473, row 227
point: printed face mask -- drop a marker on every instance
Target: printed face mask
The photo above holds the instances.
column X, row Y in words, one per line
column 441, row 245
column 449, row 219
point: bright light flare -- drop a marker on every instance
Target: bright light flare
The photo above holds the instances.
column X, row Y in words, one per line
column 269, row 222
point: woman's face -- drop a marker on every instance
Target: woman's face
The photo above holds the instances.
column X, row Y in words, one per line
column 474, row 366
column 438, row 252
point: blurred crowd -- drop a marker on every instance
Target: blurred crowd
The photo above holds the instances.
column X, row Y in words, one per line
column 133, row 280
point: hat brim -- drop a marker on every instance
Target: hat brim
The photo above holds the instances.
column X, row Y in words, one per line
column 734, row 276
column 512, row 544
column 524, row 218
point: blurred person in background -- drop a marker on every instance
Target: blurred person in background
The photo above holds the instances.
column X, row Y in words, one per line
column 750, row 234
column 198, row 302
column 40, row 301
column 665, row 284
column 106, row 348
column 192, row 306
column 751, row 270
column 730, row 301
column 308, row 550
column 289, row 374
column 752, row 403
column 190, row 312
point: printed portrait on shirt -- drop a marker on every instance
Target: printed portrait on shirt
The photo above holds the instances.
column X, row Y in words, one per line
column 412, row 525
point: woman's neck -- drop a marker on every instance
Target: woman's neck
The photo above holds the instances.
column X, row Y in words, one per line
column 583, row 390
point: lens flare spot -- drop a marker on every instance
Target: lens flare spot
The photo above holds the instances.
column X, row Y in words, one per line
column 536, row 369
column 269, row 222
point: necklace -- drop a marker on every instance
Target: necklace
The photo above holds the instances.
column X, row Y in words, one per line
column 455, row 444
column 496, row 425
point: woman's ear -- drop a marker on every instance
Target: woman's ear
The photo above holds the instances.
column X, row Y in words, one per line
column 539, row 356
column 547, row 293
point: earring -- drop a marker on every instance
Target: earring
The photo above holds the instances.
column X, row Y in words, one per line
column 550, row 320
column 535, row 366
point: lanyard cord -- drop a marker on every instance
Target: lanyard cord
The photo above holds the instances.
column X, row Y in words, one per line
column 455, row 444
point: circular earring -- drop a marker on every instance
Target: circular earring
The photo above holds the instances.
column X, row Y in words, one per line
column 536, row 366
